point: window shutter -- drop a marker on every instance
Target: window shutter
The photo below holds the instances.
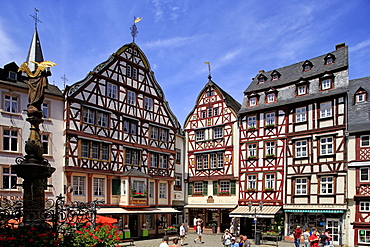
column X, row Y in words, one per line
column 190, row 189
column 215, row 188
column 116, row 187
column 205, row 188
column 233, row 187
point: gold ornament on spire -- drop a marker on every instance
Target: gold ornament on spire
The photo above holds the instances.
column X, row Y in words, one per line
column 42, row 66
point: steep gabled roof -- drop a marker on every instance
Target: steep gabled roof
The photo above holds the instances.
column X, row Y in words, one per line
column 135, row 173
column 358, row 113
column 35, row 52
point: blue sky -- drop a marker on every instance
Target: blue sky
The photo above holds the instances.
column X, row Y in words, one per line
column 238, row 37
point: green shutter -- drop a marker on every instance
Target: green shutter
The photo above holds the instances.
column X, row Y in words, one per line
column 215, row 188
column 233, row 187
column 116, row 187
column 190, row 188
column 205, row 188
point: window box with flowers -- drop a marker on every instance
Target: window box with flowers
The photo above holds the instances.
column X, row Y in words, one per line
column 170, row 230
column 269, row 126
column 198, row 194
column 135, row 194
column 252, row 128
column 270, row 156
column 251, row 190
column 224, row 193
column 252, row 157
column 269, row 189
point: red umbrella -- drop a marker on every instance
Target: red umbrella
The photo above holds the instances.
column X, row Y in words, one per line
column 105, row 220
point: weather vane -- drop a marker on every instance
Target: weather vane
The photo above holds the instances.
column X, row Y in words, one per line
column 35, row 18
column 134, row 28
column 209, row 70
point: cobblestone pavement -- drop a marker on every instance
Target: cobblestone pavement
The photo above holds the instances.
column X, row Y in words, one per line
column 210, row 240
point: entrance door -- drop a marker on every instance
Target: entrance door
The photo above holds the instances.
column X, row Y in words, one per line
column 333, row 225
column 133, row 224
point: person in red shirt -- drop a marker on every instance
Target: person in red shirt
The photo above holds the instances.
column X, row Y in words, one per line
column 297, row 236
column 314, row 239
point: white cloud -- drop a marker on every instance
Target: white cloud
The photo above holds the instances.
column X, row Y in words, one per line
column 360, row 45
column 8, row 48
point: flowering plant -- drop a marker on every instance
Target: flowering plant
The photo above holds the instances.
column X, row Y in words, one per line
column 270, row 233
column 30, row 237
column 102, row 235
column 171, row 228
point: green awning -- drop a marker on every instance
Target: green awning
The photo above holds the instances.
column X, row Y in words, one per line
column 324, row 211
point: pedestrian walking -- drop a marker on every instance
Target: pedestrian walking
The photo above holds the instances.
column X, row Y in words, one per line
column 199, row 232
column 246, row 242
column 232, row 229
column 297, row 236
column 306, row 238
column 182, row 234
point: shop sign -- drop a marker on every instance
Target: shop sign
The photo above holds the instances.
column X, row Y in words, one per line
column 138, row 202
column 11, row 198
column 210, row 199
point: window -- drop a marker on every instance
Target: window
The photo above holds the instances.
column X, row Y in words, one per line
column 12, row 76
column 130, row 127
column 326, row 84
column 364, row 206
column 150, row 221
column 270, row 149
column 178, row 182
column 103, row 119
column 199, row 135
column 138, row 187
column 199, row 162
column 94, row 150
column 209, row 110
column 364, row 236
column 302, row 90
column 45, row 143
column 11, row 103
column 253, row 101
column 218, row 133
column 327, row 185
column 134, row 73
column 301, row 149
column 301, row 186
column 360, row 97
column 98, row 186
column 178, row 156
column 89, row 116
column 124, row 187
column 10, row 140
column 212, row 160
column 210, row 92
column 151, row 190
column 252, row 182
column 252, row 122
column 112, row 91
column 78, row 186
column 252, row 150
column 364, row 174
column 128, row 71
column 154, row 133
column 153, row 160
column 164, row 135
column 132, row 157
column 220, row 160
column 203, row 114
column 131, row 98
column 215, row 111
column 224, row 187
column 300, row 114
column 261, row 79
column 365, row 141
column 162, row 191
column 116, row 187
column 9, row 178
column 307, row 65
column 45, row 109
column 275, row 77
column 270, row 98
column 198, row 188
column 148, row 103
column 163, row 161
column 270, row 118
column 325, row 109
column 270, row 181
column 326, row 145
column 329, row 59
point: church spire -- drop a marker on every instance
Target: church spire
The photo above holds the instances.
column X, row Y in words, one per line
column 35, row 52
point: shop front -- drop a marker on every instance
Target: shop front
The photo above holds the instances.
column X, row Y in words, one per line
column 142, row 222
column 320, row 219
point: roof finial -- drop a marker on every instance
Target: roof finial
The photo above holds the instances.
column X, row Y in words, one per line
column 209, row 70
column 64, row 78
column 35, row 18
column 134, row 28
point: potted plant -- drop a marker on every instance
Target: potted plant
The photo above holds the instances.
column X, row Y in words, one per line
column 269, row 125
column 214, row 227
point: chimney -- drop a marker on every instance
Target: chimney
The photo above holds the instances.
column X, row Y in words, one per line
column 261, row 71
column 341, row 45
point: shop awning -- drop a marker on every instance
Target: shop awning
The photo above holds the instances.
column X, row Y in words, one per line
column 314, row 211
column 138, row 211
column 210, row 205
column 255, row 211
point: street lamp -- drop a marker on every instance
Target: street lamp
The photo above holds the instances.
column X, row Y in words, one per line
column 250, row 204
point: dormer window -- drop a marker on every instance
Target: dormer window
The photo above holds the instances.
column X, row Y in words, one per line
column 270, row 98
column 262, row 79
column 329, row 59
column 253, row 101
column 210, row 92
column 301, row 90
column 275, row 75
column 307, row 66
column 12, row 76
column 360, row 95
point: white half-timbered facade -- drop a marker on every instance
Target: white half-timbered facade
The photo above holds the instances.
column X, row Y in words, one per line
column 121, row 141
column 212, row 157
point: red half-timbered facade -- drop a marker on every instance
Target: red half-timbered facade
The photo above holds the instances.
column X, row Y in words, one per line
column 121, row 140
column 359, row 162
column 212, row 158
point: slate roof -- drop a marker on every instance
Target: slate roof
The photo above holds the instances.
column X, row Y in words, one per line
column 135, row 173
column 358, row 113
column 293, row 74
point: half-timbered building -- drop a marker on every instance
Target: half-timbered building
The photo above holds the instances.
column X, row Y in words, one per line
column 14, row 129
column 121, row 142
column 212, row 157
column 358, row 151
